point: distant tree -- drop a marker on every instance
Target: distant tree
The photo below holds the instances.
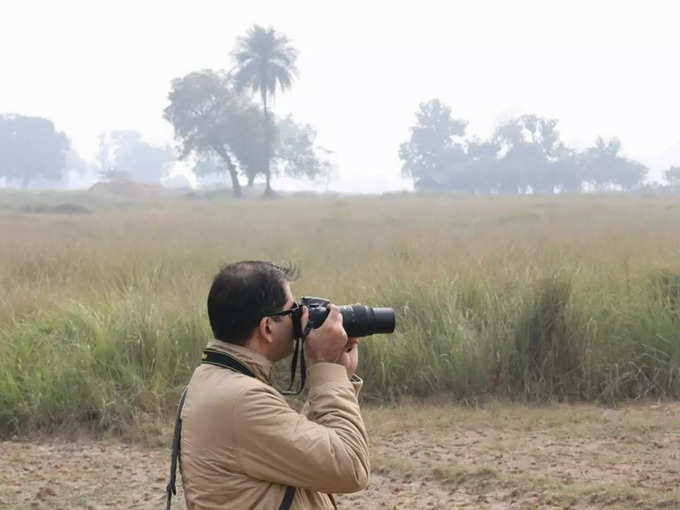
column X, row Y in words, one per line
column 210, row 118
column 126, row 155
column 603, row 166
column 31, row 150
column 265, row 60
column 478, row 173
column 529, row 148
column 524, row 154
column 296, row 153
column 673, row 175
column 247, row 142
column 435, row 146
column 567, row 171
column 208, row 164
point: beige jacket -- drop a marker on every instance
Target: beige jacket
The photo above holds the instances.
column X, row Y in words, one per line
column 242, row 444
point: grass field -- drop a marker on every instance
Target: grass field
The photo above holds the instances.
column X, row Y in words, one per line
column 565, row 298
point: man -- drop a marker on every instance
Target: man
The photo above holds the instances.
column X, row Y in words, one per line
column 242, row 445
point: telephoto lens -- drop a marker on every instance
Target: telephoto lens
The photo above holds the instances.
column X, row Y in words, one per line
column 359, row 320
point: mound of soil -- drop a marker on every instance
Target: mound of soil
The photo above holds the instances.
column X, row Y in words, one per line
column 129, row 189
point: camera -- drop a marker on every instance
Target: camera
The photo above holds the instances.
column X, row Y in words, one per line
column 358, row 320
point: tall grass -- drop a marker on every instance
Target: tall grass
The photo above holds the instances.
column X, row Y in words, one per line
column 568, row 298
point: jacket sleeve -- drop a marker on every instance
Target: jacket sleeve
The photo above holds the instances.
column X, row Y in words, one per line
column 325, row 452
column 357, row 383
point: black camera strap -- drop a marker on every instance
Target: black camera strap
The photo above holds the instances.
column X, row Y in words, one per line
column 171, row 489
column 220, row 359
column 298, row 354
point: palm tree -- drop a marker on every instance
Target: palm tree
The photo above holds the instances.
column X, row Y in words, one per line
column 265, row 60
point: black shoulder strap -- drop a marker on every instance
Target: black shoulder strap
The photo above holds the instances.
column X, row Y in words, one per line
column 174, row 451
column 287, row 498
column 210, row 357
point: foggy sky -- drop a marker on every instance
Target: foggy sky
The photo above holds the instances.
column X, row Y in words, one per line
column 601, row 68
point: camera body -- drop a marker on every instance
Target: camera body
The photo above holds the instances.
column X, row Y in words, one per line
column 358, row 320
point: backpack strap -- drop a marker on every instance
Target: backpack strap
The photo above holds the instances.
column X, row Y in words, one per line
column 220, row 359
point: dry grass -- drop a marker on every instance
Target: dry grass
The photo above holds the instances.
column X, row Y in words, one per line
column 530, row 298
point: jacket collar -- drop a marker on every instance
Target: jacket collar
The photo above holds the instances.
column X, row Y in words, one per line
column 260, row 366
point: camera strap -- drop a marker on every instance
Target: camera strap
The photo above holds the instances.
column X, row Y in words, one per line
column 298, row 354
column 211, row 357
column 171, row 489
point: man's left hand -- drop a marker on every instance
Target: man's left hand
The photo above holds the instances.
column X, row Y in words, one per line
column 350, row 358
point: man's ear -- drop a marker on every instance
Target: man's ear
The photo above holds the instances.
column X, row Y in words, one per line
column 265, row 328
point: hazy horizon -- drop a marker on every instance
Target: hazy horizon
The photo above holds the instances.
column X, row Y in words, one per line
column 599, row 69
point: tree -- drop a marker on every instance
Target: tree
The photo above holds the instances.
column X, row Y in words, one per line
column 125, row 155
column 530, row 150
column 31, row 150
column 210, row 116
column 208, row 164
column 296, row 153
column 603, row 166
column 265, row 60
column 247, row 141
column 673, row 175
column 524, row 154
column 435, row 146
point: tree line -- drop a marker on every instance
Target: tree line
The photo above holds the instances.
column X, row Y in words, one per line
column 34, row 154
column 219, row 129
column 224, row 126
column 524, row 154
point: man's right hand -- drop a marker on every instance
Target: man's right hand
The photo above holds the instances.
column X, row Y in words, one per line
column 327, row 342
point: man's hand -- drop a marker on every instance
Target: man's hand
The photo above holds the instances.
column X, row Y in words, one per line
column 350, row 358
column 328, row 342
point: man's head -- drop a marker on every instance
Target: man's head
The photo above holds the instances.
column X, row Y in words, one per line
column 242, row 297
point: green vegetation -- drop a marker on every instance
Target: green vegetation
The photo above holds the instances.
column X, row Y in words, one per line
column 564, row 298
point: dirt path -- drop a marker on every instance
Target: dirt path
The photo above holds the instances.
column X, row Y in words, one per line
column 503, row 457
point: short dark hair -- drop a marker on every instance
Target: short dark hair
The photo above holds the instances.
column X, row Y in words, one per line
column 244, row 292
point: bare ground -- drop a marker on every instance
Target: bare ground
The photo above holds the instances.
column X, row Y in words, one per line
column 423, row 456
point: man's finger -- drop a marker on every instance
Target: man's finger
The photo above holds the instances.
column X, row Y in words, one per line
column 334, row 313
column 305, row 317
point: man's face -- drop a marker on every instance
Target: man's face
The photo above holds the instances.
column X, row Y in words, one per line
column 282, row 329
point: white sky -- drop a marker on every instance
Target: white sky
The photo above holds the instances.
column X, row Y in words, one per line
column 598, row 66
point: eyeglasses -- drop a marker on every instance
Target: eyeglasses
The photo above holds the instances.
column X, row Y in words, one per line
column 289, row 311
